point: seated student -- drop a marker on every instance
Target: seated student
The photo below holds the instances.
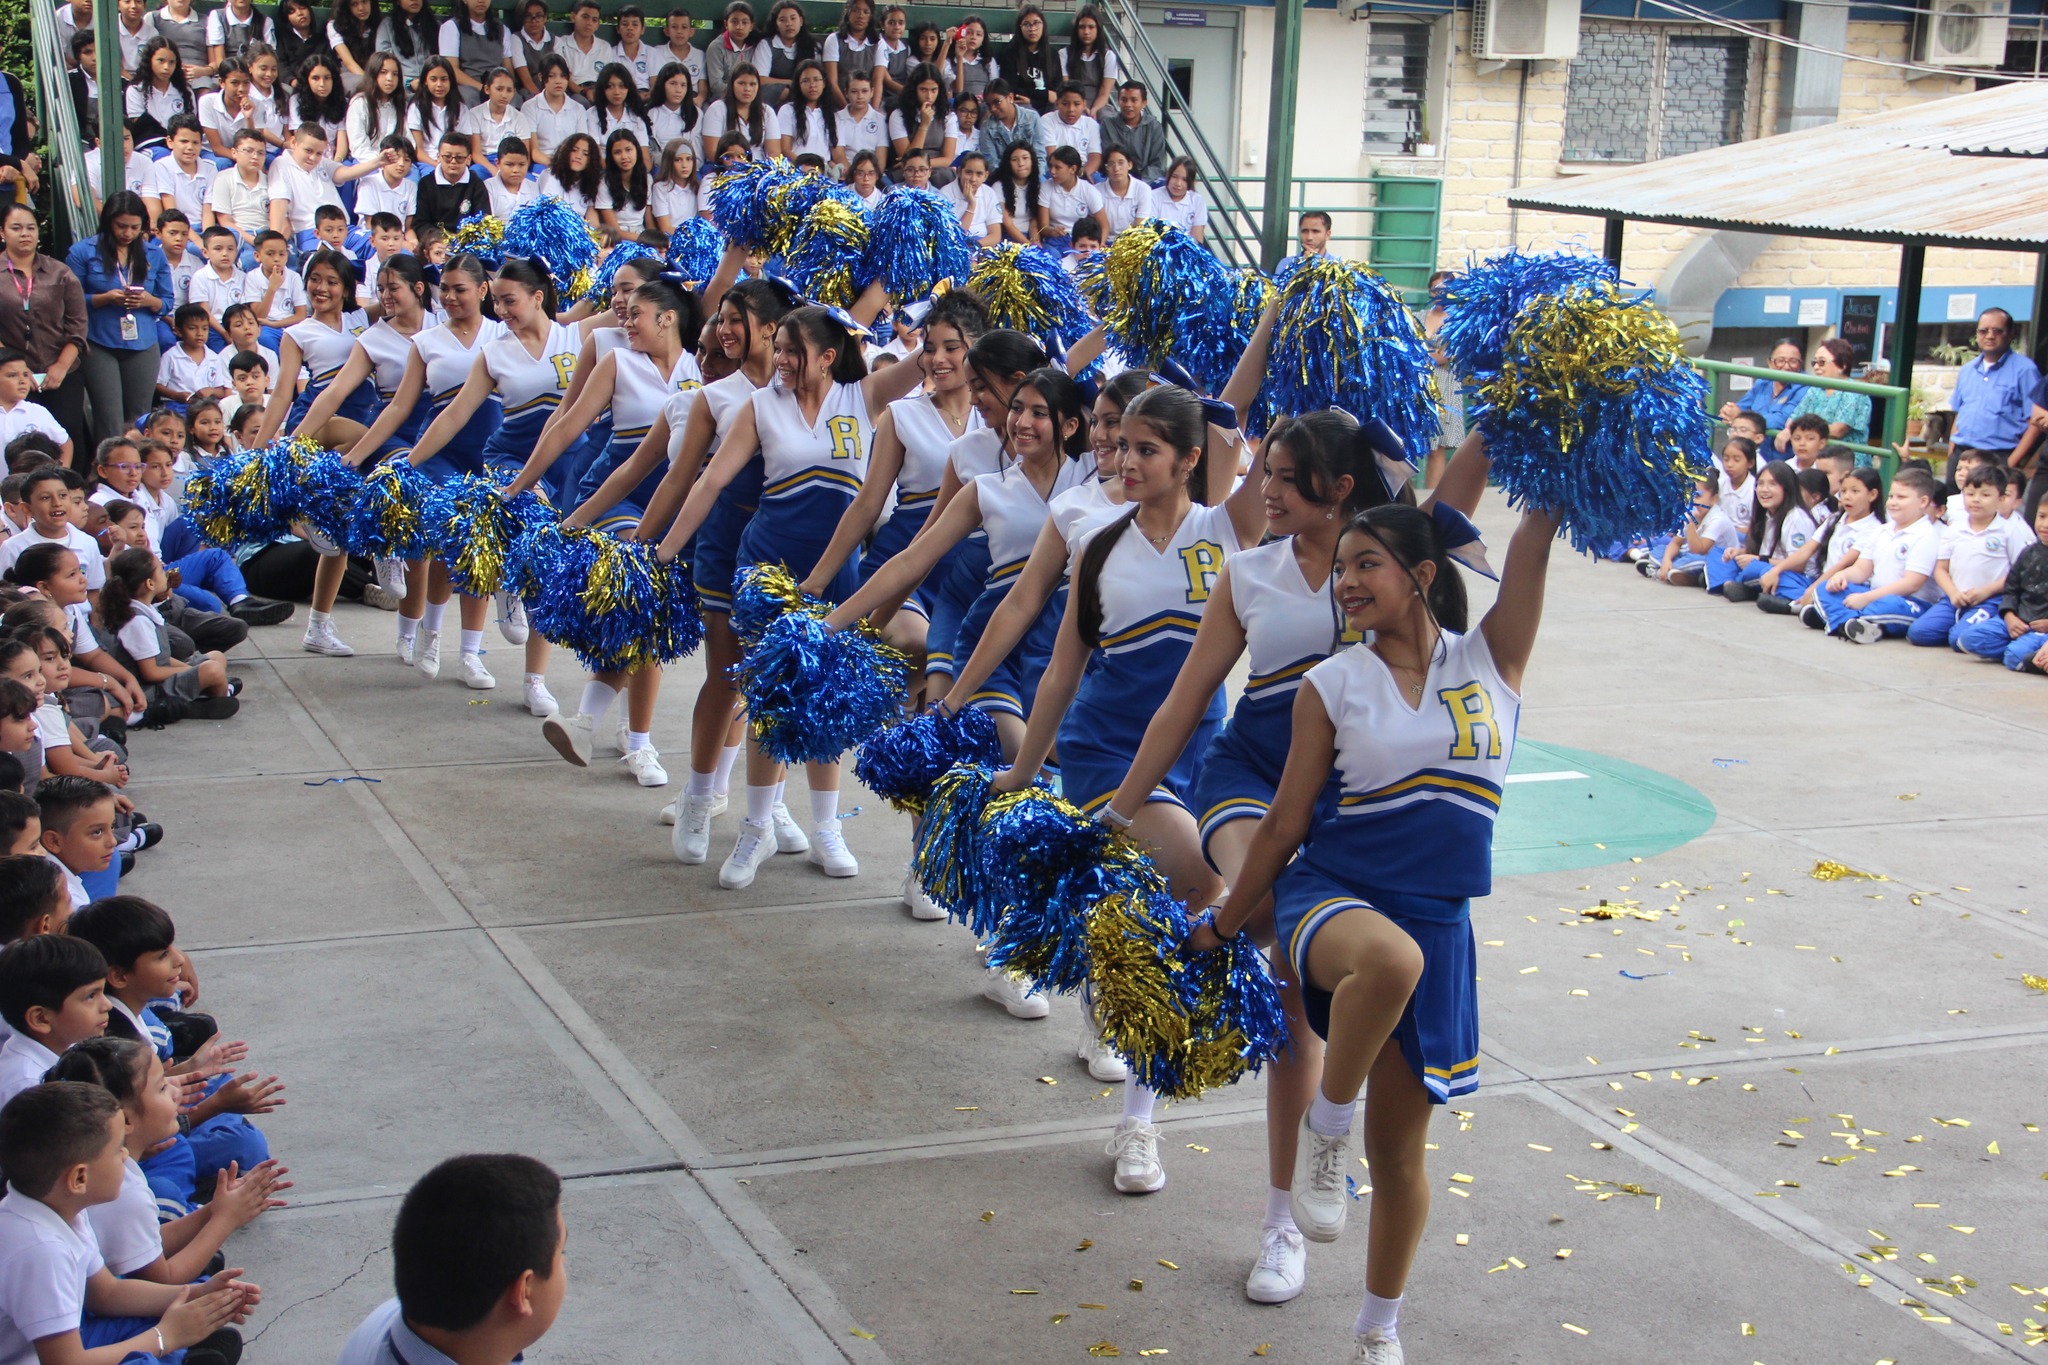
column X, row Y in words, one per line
column 1953, row 511
column 1783, row 536
column 33, row 900
column 477, row 1258
column 200, row 689
column 13, row 511
column 21, row 731
column 980, row 207
column 1737, row 462
column 239, row 198
column 249, row 374
column 1835, row 461
column 79, row 833
column 2018, row 634
column 1806, row 435
column 914, row 169
column 245, row 335
column 180, row 181
column 1749, row 426
column 810, row 163
column 1977, row 553
column 1066, row 198
column 1072, row 126
column 138, row 941
column 18, row 414
column 863, row 177
column 244, row 425
column 47, row 492
column 451, row 193
column 178, row 371
column 1083, row 242
column 492, row 121
column 1898, row 573
column 1708, row 531
column 297, row 189
column 181, row 261
column 275, row 292
column 221, row 283
column 393, row 192
column 860, row 127
column 65, row 1147
column 52, row 994
column 142, row 1235
column 30, row 451
column 509, row 187
column 330, row 231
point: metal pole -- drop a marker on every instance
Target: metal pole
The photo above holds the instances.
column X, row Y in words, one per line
column 1610, row 246
column 1905, row 327
column 2039, row 320
column 106, row 29
column 1273, row 227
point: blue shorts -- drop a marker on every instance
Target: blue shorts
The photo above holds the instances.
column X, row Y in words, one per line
column 1237, row 782
column 1012, row 685
column 714, row 558
column 1096, row 749
column 1439, row 1028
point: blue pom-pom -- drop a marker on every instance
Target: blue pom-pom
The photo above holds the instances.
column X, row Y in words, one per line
column 947, row 854
column 611, row 601
column 1236, row 1022
column 1046, row 867
column 740, row 207
column 607, row 273
column 328, row 489
column 763, row 593
column 915, row 240
column 1482, row 302
column 900, row 763
column 695, row 249
column 388, row 516
column 1164, row 297
column 1026, row 289
column 249, row 497
column 813, row 693
column 1344, row 339
column 474, row 530
column 824, row 252
column 550, row 231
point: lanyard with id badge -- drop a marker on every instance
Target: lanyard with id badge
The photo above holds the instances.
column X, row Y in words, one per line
column 131, row 330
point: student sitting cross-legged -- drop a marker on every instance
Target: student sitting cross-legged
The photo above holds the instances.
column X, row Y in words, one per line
column 1892, row 586
column 1977, row 552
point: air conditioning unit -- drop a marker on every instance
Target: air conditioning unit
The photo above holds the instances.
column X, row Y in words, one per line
column 1535, row 30
column 1962, row 33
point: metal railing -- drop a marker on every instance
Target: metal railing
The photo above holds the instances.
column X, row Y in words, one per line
column 1403, row 215
column 66, row 175
column 1886, row 457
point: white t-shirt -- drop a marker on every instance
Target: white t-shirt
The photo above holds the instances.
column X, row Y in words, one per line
column 431, row 126
column 712, row 127
column 247, row 205
column 139, row 637
column 984, row 213
column 550, row 126
column 1739, row 503
column 1903, row 550
column 868, row 133
column 28, row 415
column 213, row 114
column 1977, row 559
column 1716, row 527
column 375, row 194
column 127, row 1230
column 672, row 201
column 215, row 294
column 44, row 1264
column 550, row 186
column 810, row 137
column 1186, row 213
column 290, row 295
column 215, row 374
column 364, row 133
column 642, row 64
column 186, row 190
column 477, row 121
column 302, row 190
column 1120, row 211
column 179, row 372
column 632, row 217
column 134, row 176
column 84, row 546
column 583, row 66
column 504, row 201
column 1084, row 135
column 1069, row 207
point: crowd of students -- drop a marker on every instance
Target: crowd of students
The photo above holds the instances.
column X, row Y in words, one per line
column 1819, row 536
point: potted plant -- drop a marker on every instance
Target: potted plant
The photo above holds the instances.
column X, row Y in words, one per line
column 1423, row 146
column 1916, row 415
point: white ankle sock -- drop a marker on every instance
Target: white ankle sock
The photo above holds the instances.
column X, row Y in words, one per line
column 779, row 786
column 315, row 618
column 1330, row 1118
column 760, row 806
column 1384, row 1314
column 408, row 628
column 539, row 680
column 824, row 808
column 430, row 616
column 597, row 699
column 472, row 642
column 721, row 776
column 1279, row 1208
column 699, row 784
column 1138, row 1100
column 639, row 739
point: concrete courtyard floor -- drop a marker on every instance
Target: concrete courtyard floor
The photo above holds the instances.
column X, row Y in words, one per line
column 1770, row 1118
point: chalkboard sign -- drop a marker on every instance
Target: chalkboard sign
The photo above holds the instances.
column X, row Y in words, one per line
column 1859, row 324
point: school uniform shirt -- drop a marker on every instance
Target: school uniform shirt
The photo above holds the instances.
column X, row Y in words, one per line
column 868, row 198
column 1859, row 536
column 290, row 295
column 985, row 212
column 30, row 416
column 478, row 121
column 383, row 1339
column 1186, row 213
column 226, row 29
column 1717, row 526
column 365, row 132
column 451, row 45
column 131, row 43
column 78, row 542
column 1084, row 135
column 23, row 1061
column 375, row 194
column 672, row 201
column 1904, row 550
column 1977, row 559
column 446, row 203
column 504, row 201
column 1069, row 207
column 584, row 66
column 146, row 101
column 1120, row 211
column 550, row 125
column 431, row 123
column 302, row 191
column 45, row 1261
column 868, row 133
column 134, row 176
column 185, row 189
column 214, row 116
column 144, row 637
column 213, row 374
column 126, row 1227
column 179, row 372
column 603, row 125
column 713, row 127
column 181, row 271
column 632, row 217
column 667, row 125
column 574, row 198
column 806, row 131
column 901, row 126
column 641, row 64
column 1738, row 504
column 691, row 61
column 852, row 54
column 247, row 206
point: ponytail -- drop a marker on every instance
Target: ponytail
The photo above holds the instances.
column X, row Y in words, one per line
column 531, row 273
column 1176, row 415
column 1087, row 595
column 128, row 575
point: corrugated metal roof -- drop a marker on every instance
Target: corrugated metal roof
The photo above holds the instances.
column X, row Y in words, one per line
column 1891, row 177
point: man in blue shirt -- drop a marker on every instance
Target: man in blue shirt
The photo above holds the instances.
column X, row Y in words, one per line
column 1994, row 393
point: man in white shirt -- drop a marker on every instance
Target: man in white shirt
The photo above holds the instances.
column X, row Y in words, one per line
column 180, row 181
column 1070, row 126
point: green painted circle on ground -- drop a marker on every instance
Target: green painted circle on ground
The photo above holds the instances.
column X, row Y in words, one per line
column 1569, row 808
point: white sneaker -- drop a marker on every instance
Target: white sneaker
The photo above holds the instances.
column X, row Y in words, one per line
column 645, row 765
column 1370, row 1348
column 1862, row 631
column 390, row 574
column 1014, row 994
column 382, row 598
column 692, row 838
column 624, row 729
column 511, row 617
column 321, row 639
column 753, row 849
column 427, row 655
column 1282, row 1267
column 921, row 906
column 475, row 675
column 322, row 546
column 718, row 804
column 1135, row 1145
column 541, row 702
column 789, row 835
column 406, row 645
column 719, row 801
column 1319, row 1197
column 571, row 738
column 829, row 852
column 1103, row 1064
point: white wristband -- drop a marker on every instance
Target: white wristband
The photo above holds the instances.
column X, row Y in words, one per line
column 1110, row 816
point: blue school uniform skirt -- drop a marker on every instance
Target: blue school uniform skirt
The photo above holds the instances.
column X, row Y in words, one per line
column 624, row 514
column 893, row 535
column 948, row 593
column 714, row 550
column 464, row 454
column 793, row 531
column 360, row 406
column 1012, row 685
column 506, row 450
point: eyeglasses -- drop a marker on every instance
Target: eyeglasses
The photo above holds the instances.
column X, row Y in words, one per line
column 124, row 468
column 1991, row 331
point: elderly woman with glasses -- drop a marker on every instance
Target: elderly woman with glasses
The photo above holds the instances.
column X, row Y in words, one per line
column 1774, row 400
column 1847, row 414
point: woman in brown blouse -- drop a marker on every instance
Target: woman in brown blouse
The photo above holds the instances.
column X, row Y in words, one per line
column 42, row 314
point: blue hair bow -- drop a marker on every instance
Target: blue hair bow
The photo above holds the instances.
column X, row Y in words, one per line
column 1461, row 538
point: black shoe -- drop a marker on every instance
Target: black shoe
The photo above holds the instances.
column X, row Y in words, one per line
column 115, row 728
column 163, row 711
column 151, row 834
column 212, row 708
column 127, row 863
column 235, row 687
column 216, row 1265
column 1774, row 604
column 260, row 611
column 222, row 1348
column 1739, row 591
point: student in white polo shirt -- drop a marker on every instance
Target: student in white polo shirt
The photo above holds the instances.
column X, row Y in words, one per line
column 861, row 126
column 17, row 413
column 239, row 198
column 180, row 181
column 1071, row 126
column 1066, row 197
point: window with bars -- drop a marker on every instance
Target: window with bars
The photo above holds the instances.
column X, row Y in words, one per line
column 1396, row 86
column 1641, row 93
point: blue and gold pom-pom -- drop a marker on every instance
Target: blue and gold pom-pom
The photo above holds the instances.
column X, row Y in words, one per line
column 328, row 489
column 762, row 594
column 481, row 235
column 1235, row 1020
column 695, row 248
column 812, row 693
column 1163, row 297
column 916, row 241
column 388, row 516
column 790, row 201
column 1344, row 339
column 1482, row 302
column 549, row 231
column 1134, row 938
column 1048, row 867
column 474, row 530
column 824, row 253
column 947, row 852
column 249, row 497
column 900, row 763
column 600, row 291
column 611, row 601
column 739, row 198
column 1595, row 414
column 1027, row 290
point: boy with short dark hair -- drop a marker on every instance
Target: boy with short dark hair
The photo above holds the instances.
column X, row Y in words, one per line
column 18, row 413
column 32, row 896
column 78, row 829
column 1835, row 461
column 273, row 290
column 297, row 189
column 477, row 1257
column 2019, row 635
column 21, row 830
column 64, row 1147
column 1899, row 570
column 249, row 377
column 178, row 372
column 509, row 187
column 220, row 283
column 52, row 994
column 47, row 491
column 1977, row 553
column 1748, row 425
column 451, row 193
column 1806, row 434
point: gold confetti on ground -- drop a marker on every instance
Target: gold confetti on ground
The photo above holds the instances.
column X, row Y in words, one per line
column 1058, row 1318
column 1574, row 1327
column 1104, row 1350
column 2034, row 983
column 988, row 1216
column 1085, row 1244
column 1562, row 1254
column 1826, row 870
column 1464, row 1239
column 1197, row 1147
column 864, row 1336
column 1262, row 1348
column 1169, row 1265
column 1137, row 1286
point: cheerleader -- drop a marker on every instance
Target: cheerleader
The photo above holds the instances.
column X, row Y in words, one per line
column 1045, row 436
column 1374, row 915
column 603, row 330
column 1141, row 585
column 318, row 349
column 633, row 383
column 515, row 384
column 437, row 365
column 813, row 427
column 912, row 444
column 1273, row 603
